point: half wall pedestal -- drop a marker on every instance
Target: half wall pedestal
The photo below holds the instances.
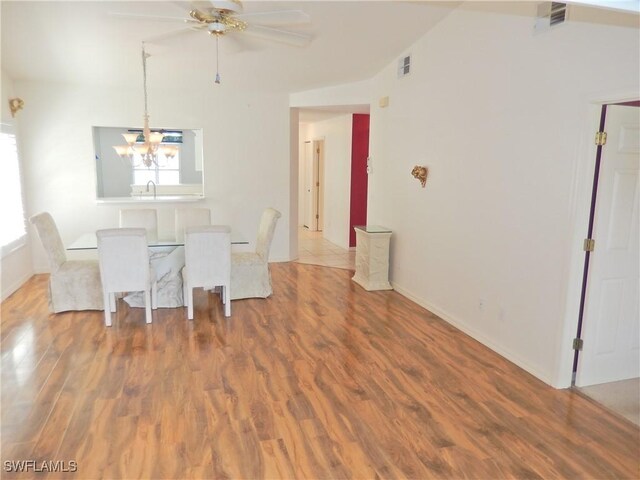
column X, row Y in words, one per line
column 372, row 257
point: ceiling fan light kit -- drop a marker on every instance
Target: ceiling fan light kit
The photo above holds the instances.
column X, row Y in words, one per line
column 217, row 28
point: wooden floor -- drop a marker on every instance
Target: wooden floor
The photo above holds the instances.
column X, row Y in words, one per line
column 322, row 380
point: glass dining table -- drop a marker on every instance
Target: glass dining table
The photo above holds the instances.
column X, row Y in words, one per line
column 167, row 259
column 89, row 241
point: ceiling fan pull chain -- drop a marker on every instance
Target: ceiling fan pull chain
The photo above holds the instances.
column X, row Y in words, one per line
column 144, row 78
column 217, row 58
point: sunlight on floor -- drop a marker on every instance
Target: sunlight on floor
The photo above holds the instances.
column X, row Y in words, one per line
column 315, row 250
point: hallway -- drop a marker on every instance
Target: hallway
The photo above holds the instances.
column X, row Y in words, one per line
column 313, row 249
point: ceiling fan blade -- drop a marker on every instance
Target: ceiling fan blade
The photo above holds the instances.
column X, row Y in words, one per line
column 183, row 5
column 162, row 18
column 207, row 6
column 277, row 18
column 283, row 36
column 203, row 6
column 172, row 34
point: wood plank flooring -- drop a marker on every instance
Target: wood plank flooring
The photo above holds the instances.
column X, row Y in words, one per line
column 322, row 380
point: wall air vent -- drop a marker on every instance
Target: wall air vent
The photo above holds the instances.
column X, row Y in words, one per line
column 550, row 14
column 404, row 66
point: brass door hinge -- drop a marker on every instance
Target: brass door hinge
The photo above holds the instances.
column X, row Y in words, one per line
column 578, row 343
column 589, row 245
column 601, row 138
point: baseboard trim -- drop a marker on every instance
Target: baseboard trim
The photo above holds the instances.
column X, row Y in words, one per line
column 462, row 326
column 6, row 293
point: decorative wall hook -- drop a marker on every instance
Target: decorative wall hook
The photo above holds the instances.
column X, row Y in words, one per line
column 15, row 104
column 420, row 172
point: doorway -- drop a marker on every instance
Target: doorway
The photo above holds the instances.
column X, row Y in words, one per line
column 607, row 364
column 314, row 185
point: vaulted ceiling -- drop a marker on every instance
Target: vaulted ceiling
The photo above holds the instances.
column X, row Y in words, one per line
column 81, row 43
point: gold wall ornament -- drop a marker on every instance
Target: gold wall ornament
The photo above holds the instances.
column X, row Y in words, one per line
column 420, row 172
column 15, row 104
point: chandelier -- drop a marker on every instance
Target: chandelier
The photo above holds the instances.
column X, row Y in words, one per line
column 151, row 143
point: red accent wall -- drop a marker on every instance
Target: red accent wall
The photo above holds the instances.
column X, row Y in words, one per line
column 359, row 154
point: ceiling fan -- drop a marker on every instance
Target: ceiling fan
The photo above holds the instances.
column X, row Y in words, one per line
column 222, row 17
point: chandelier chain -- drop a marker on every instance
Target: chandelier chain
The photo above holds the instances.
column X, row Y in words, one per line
column 144, row 78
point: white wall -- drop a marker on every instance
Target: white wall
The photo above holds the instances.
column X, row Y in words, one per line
column 336, row 133
column 294, row 165
column 246, row 159
column 499, row 116
column 15, row 267
column 357, row 93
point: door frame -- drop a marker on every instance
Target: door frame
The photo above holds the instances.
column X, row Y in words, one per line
column 587, row 253
column 305, row 201
column 581, row 192
column 318, row 184
column 314, row 172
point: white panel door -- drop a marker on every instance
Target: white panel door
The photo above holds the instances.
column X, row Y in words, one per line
column 319, row 165
column 308, row 182
column 611, row 328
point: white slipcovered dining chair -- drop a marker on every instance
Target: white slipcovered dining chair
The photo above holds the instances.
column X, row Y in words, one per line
column 190, row 217
column 146, row 218
column 124, row 267
column 73, row 284
column 207, row 253
column 250, row 276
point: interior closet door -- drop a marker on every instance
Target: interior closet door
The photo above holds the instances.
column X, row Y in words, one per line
column 611, row 322
column 308, row 182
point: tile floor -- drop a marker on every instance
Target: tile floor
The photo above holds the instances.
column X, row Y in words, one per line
column 315, row 250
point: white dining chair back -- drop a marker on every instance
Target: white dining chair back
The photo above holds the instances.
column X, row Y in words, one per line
column 266, row 230
column 250, row 275
column 50, row 238
column 190, row 217
column 124, row 267
column 146, row 218
column 207, row 263
column 73, row 284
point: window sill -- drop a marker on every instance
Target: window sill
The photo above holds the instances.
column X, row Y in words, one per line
column 151, row 199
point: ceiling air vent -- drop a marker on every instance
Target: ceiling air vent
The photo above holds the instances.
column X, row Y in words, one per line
column 404, row 66
column 550, row 14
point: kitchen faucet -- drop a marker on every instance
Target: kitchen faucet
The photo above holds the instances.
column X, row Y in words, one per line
column 154, row 188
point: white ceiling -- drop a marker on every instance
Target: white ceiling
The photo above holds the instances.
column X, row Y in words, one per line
column 80, row 43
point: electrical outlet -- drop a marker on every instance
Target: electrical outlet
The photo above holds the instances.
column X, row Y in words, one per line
column 481, row 304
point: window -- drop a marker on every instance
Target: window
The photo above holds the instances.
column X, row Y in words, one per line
column 166, row 173
column 12, row 233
